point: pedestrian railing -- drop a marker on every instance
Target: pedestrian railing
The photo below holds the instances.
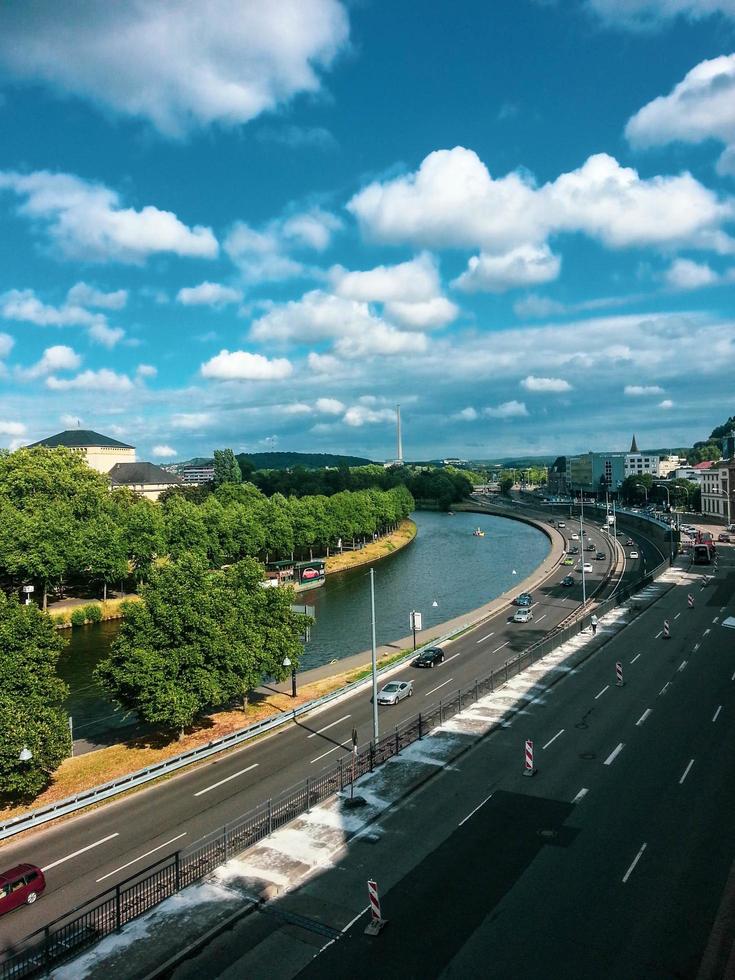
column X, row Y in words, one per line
column 82, row 927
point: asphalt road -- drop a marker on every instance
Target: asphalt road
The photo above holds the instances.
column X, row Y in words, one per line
column 104, row 846
column 608, row 863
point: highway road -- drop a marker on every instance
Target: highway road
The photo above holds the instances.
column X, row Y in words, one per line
column 609, row 862
column 101, row 847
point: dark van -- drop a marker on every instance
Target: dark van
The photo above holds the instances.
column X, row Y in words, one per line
column 20, row 885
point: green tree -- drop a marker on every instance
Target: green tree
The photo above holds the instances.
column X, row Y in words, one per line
column 143, row 531
column 226, row 467
column 506, row 485
column 31, row 699
column 199, row 639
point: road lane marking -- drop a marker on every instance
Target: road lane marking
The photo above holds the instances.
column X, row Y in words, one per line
column 696, row 647
column 55, row 864
column 686, row 771
column 708, row 630
column 733, row 677
column 325, row 754
column 677, row 615
column 353, row 921
column 582, row 793
column 438, row 686
column 643, row 717
column 135, row 860
column 227, row 779
column 664, row 688
column 602, row 692
column 636, row 859
column 501, row 646
column 681, row 666
column 327, row 727
column 474, row 811
column 635, row 658
column 660, row 632
column 483, row 638
column 613, row 755
column 542, row 617
column 560, row 732
column 714, row 716
column 716, row 619
column 451, row 658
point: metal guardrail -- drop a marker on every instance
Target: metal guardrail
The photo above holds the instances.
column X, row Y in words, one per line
column 82, row 927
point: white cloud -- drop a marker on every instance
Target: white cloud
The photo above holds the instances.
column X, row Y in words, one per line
column 382, row 340
column 240, row 365
column 6, row 344
column 24, row 306
column 296, row 408
column 102, row 380
column 685, row 274
column 507, row 410
column 103, row 334
column 12, row 428
column 666, row 403
column 639, row 15
column 70, row 421
column 468, row 414
column 330, row 406
column 452, row 201
column 262, row 255
column 86, row 221
column 208, row 294
column 532, row 383
column 191, row 420
column 311, row 229
column 537, row 307
column 639, row 391
column 84, row 295
column 163, row 452
column 323, row 364
column 426, row 315
column 146, row 371
column 359, row 415
column 58, row 358
column 525, row 265
column 698, row 108
column 180, row 65
column 409, row 282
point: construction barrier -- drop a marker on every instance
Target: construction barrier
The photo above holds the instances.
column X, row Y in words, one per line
column 528, row 767
column 667, row 630
column 619, row 674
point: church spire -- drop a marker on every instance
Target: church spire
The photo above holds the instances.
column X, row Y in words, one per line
column 634, row 445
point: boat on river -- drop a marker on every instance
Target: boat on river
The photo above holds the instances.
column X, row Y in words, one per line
column 478, row 533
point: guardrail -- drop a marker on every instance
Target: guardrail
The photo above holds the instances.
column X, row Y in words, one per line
column 82, row 927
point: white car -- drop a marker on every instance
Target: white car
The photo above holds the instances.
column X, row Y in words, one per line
column 587, row 566
column 575, row 537
column 561, row 524
column 634, row 554
column 523, row 615
column 395, row 691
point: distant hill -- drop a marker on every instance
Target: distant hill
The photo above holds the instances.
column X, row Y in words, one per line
column 310, row 461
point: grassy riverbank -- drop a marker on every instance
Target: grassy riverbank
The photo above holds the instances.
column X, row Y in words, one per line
column 373, row 550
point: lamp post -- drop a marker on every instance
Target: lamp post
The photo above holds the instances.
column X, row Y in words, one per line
column 644, row 488
column 581, row 541
column 287, row 663
column 373, row 658
column 671, row 526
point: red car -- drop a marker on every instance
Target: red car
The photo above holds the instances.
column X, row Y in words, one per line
column 20, row 885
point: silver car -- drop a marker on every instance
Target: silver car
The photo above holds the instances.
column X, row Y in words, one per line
column 395, row 691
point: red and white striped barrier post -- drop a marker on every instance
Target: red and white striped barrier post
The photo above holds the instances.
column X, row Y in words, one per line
column 667, row 631
column 619, row 674
column 528, row 767
column 376, row 918
column 690, row 601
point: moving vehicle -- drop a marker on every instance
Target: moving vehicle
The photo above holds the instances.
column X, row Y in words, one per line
column 703, row 553
column 429, row 657
column 568, row 561
column 724, row 537
column 524, row 599
column 20, row 885
column 395, row 691
column 590, row 547
column 587, row 566
column 629, row 543
column 567, row 581
column 600, row 556
column 574, row 551
column 523, row 616
column 634, row 554
column 561, row 524
column 575, row 537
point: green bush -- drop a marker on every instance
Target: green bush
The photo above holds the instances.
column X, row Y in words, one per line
column 78, row 616
column 93, row 613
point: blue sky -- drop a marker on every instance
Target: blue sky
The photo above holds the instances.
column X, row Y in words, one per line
column 269, row 221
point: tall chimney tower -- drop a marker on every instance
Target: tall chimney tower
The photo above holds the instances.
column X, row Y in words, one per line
column 398, row 430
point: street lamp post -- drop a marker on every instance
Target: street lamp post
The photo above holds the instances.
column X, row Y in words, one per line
column 644, row 488
column 671, row 526
column 287, row 663
column 581, row 542
column 374, row 657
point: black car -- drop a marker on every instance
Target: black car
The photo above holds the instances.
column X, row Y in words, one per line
column 430, row 657
column 600, row 556
column 567, row 581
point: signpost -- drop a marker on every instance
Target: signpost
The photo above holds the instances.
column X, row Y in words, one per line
column 415, row 624
column 28, row 589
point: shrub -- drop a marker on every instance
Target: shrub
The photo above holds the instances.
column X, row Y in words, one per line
column 93, row 613
column 79, row 616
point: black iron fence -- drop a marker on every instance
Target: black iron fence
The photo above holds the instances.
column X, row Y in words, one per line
column 108, row 912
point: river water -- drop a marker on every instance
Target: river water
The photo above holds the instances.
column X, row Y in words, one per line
column 445, row 572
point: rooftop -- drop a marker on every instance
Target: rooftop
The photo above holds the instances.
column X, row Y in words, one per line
column 81, row 439
column 148, row 474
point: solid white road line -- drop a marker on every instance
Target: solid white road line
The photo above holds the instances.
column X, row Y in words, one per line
column 635, row 658
column 473, row 812
column 81, row 850
column 643, row 717
column 483, row 638
column 327, row 727
column 582, row 793
column 353, row 921
column 329, row 752
column 613, row 755
column 665, row 688
column 438, row 686
column 686, row 771
column 501, row 646
column 714, row 716
column 560, row 732
column 602, row 692
column 135, row 860
column 226, row 779
column 636, row 859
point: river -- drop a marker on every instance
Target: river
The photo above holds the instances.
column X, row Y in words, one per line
column 444, row 573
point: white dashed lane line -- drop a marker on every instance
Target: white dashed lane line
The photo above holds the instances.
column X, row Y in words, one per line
column 560, row 732
column 686, row 771
column 599, row 695
column 226, row 780
column 614, row 754
column 483, row 638
column 135, row 860
column 635, row 861
column 714, row 716
column 635, row 658
column 55, row 864
column 327, row 727
column 580, row 795
column 434, row 689
column 643, row 717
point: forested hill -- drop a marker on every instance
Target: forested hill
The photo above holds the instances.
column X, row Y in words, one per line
column 309, row 461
